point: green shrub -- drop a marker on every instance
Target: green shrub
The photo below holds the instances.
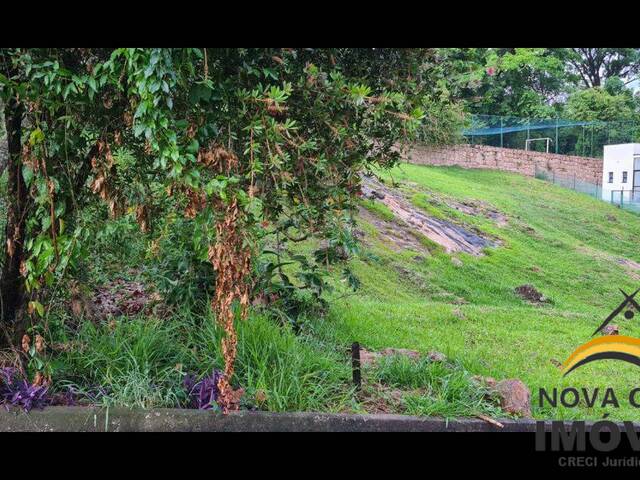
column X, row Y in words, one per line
column 184, row 276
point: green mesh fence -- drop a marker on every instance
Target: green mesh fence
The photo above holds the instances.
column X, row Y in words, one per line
column 567, row 137
column 628, row 199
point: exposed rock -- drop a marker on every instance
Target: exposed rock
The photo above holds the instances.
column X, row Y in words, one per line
column 418, row 259
column 529, row 292
column 395, row 234
column 456, row 261
column 456, row 312
column 452, row 237
column 611, row 329
column 515, row 397
column 500, row 219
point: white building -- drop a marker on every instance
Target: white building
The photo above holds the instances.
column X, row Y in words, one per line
column 621, row 173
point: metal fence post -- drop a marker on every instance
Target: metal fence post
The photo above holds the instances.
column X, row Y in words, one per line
column 501, row 134
column 557, row 146
column 355, row 365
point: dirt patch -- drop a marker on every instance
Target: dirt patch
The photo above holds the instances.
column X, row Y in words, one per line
column 124, row 298
column 631, row 266
column 378, row 398
column 453, row 238
column 610, row 329
column 371, row 358
column 531, row 294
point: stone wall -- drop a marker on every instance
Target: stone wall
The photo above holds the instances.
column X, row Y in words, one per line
column 511, row 160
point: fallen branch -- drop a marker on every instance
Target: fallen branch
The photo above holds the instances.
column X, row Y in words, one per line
column 490, row 420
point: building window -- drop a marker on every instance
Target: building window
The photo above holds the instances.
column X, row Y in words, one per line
column 624, row 177
column 610, row 177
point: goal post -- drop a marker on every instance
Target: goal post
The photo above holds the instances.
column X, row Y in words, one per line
column 528, row 141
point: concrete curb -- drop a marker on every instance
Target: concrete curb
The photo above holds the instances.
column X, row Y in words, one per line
column 85, row 419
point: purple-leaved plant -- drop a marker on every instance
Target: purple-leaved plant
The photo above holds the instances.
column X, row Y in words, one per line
column 16, row 391
column 203, row 394
column 19, row 392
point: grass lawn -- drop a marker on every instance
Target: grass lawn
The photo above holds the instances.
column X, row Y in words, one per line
column 564, row 243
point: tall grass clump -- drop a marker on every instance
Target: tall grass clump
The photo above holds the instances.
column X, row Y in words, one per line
column 435, row 388
column 131, row 362
column 279, row 370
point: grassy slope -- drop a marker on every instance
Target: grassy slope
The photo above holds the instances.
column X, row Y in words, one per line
column 496, row 333
column 405, row 301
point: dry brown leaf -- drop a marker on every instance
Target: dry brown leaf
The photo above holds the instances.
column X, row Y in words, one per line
column 26, row 343
column 39, row 343
column 38, row 379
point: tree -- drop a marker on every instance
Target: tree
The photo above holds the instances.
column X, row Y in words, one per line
column 610, row 103
column 505, row 81
column 594, row 65
column 246, row 142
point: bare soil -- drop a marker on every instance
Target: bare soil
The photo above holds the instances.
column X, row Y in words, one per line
column 529, row 292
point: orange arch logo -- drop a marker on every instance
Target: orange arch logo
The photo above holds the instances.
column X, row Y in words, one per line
column 610, row 347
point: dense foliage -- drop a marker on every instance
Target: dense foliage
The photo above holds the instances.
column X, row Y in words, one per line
column 246, row 145
column 544, row 82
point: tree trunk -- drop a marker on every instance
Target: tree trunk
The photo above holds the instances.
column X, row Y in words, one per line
column 12, row 293
column 3, row 142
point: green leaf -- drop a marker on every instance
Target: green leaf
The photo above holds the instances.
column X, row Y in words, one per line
column 27, row 174
column 37, row 306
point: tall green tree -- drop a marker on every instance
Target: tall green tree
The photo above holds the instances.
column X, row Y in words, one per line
column 505, row 81
column 593, row 66
column 613, row 102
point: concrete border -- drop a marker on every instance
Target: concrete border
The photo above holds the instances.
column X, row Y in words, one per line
column 88, row 419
